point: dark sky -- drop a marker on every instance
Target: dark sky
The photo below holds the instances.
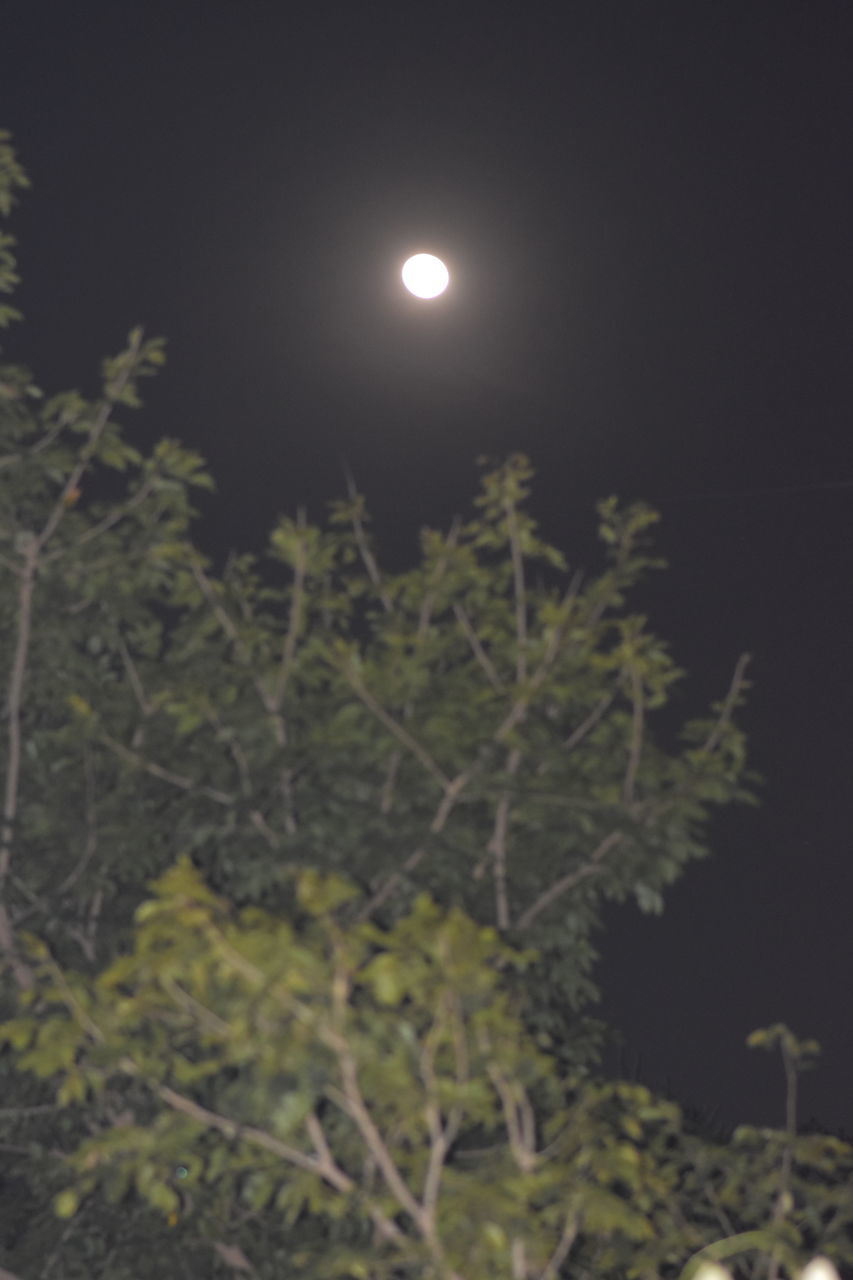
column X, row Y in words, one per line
column 647, row 210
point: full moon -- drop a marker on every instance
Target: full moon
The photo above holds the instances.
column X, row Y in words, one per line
column 425, row 276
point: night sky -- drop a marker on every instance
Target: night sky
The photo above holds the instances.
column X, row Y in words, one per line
column 647, row 211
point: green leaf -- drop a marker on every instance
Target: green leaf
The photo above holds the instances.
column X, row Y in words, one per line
column 66, row 1203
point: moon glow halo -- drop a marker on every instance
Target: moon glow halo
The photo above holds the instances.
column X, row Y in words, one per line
column 425, row 276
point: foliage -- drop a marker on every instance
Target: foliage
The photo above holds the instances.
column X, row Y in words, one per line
column 476, row 744
column 385, row 1076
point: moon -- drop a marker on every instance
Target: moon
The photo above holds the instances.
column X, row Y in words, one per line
column 425, row 276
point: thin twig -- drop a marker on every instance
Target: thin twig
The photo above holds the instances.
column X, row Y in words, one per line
column 91, row 843
column 636, row 743
column 716, row 733
column 568, row 881
column 99, row 425
column 112, row 518
column 294, row 624
column 14, row 701
column 425, row 613
column 386, row 795
column 229, row 736
column 260, row 824
column 393, row 726
column 31, row 554
column 442, row 813
column 497, row 845
column 364, row 547
column 567, row 1239
column 520, row 595
column 165, row 775
column 588, row 724
column 133, row 676
column 477, row 648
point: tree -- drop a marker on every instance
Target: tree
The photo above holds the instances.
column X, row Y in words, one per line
column 479, row 729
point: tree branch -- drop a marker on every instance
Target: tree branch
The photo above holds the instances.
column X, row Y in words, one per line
column 102, row 417
column 588, row 724
column 165, row 775
column 716, row 733
column 393, row 726
column 497, row 845
column 477, row 648
column 568, row 881
column 294, row 623
column 364, row 549
column 520, row 596
column 14, row 704
column 442, row 813
column 350, row 1099
column 570, row 1231
column 112, row 518
column 234, row 1129
column 636, row 744
column 32, row 550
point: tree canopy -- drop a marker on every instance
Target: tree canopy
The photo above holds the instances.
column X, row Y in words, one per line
column 350, row 1033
